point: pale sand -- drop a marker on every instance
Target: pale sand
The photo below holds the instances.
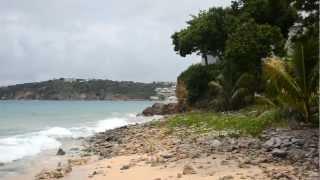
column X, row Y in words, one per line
column 208, row 168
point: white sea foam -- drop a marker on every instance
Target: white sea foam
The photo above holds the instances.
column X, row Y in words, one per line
column 110, row 124
column 17, row 147
column 20, row 146
column 57, row 132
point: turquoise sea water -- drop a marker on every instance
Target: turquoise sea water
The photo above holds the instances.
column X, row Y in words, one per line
column 30, row 127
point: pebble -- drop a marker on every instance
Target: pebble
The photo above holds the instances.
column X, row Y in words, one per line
column 188, row 169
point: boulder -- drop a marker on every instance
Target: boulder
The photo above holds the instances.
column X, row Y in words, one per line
column 298, row 142
column 215, row 144
column 273, row 142
column 279, row 153
column 161, row 109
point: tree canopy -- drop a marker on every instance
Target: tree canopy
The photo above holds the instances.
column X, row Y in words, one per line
column 258, row 43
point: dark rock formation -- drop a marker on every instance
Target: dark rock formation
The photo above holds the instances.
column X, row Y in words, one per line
column 161, row 109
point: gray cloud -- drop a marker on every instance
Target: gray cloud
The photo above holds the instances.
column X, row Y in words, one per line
column 114, row 39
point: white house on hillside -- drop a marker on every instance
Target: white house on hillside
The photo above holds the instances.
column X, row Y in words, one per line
column 210, row 59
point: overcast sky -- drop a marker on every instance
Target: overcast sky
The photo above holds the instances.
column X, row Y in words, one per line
column 108, row 39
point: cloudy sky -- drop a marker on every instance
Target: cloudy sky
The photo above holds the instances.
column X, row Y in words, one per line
column 108, row 39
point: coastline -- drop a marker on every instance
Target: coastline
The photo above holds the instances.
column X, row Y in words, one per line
column 151, row 151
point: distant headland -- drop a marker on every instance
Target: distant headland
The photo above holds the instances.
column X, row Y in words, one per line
column 86, row 89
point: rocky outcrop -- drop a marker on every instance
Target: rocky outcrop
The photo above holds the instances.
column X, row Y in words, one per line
column 161, row 109
column 182, row 94
column 61, row 171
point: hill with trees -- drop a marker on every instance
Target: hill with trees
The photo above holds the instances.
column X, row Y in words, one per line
column 80, row 89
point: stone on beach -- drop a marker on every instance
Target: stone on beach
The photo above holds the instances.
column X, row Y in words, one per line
column 188, row 169
column 60, row 152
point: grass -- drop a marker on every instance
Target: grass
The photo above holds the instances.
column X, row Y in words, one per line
column 246, row 122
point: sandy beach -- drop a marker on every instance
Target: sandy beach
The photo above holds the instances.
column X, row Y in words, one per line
column 150, row 151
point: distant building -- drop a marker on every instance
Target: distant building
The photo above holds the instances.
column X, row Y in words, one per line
column 166, row 93
column 68, row 79
column 173, row 99
column 154, row 98
column 210, row 59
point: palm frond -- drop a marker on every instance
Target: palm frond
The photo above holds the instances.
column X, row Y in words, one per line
column 276, row 71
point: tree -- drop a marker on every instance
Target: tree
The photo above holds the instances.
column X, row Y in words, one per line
column 205, row 34
column 280, row 13
column 251, row 42
column 311, row 11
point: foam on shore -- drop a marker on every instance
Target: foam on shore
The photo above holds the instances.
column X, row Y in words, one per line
column 19, row 146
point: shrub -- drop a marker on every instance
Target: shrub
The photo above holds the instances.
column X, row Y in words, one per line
column 196, row 79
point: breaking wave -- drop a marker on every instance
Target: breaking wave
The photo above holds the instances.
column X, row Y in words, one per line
column 19, row 146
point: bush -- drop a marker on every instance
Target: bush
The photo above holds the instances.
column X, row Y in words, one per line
column 196, row 79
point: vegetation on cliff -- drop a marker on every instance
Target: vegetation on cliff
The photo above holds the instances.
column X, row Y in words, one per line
column 79, row 89
column 267, row 52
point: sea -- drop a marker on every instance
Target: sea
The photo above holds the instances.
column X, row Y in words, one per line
column 29, row 128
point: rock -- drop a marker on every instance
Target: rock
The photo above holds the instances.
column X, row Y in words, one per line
column 161, row 109
column 60, row 152
column 188, row 169
column 77, row 162
column 224, row 162
column 286, row 143
column 279, row 153
column 274, row 142
column 226, row 178
column 215, row 144
column 56, row 174
column 59, row 172
column 95, row 173
column 296, row 154
column 281, row 176
column 298, row 142
column 167, row 156
column 179, row 175
column 75, row 149
column 125, row 167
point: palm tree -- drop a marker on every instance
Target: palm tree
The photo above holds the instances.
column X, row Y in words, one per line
column 230, row 94
column 293, row 82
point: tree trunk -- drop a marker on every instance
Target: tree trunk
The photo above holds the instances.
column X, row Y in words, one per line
column 205, row 59
column 307, row 111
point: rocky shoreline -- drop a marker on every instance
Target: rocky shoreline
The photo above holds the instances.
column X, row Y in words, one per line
column 276, row 154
